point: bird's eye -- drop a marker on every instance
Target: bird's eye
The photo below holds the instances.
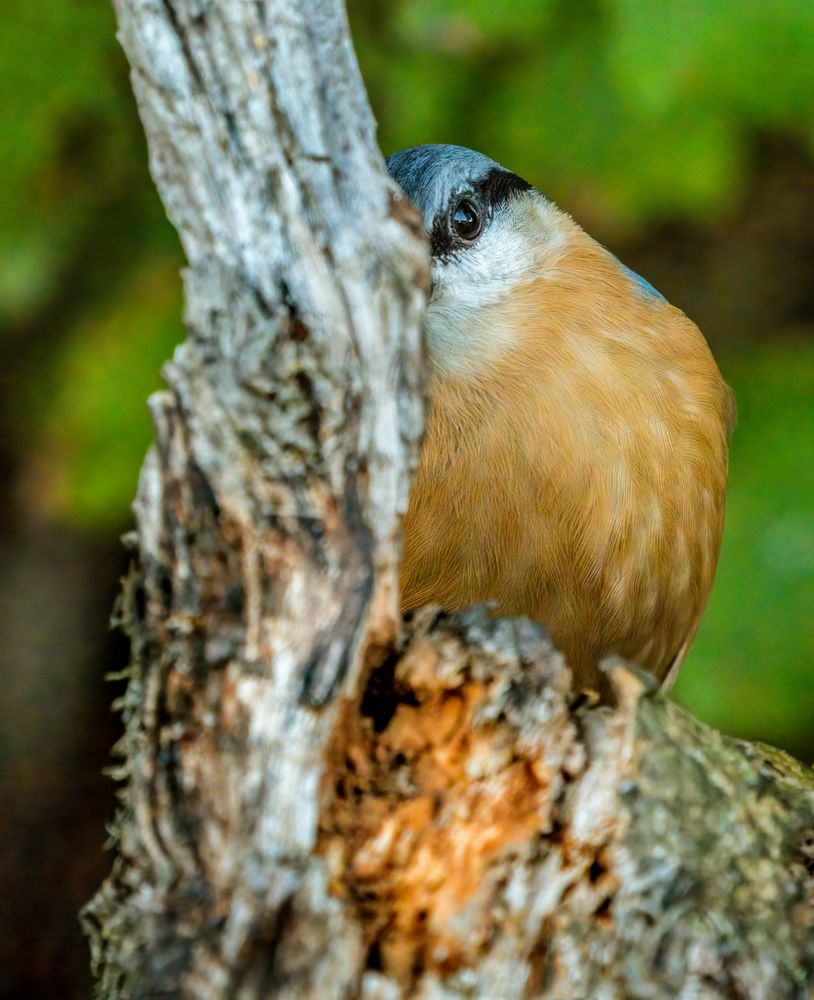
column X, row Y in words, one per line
column 466, row 221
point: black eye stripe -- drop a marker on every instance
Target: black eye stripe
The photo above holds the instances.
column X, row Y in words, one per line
column 442, row 243
column 498, row 186
column 493, row 189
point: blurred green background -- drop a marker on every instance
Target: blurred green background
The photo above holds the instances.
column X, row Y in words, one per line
column 678, row 132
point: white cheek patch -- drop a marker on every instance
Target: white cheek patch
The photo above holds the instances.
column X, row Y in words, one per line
column 461, row 333
column 461, row 338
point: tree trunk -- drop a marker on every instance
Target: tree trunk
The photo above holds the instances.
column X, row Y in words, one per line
column 319, row 800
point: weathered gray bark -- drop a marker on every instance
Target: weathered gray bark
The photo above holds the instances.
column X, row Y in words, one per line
column 319, row 802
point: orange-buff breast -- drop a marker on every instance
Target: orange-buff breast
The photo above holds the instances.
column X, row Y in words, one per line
column 579, row 478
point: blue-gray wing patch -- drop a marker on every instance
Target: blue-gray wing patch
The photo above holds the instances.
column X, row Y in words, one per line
column 643, row 283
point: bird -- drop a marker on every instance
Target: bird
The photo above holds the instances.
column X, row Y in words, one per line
column 574, row 461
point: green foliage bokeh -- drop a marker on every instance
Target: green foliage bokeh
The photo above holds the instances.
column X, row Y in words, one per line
column 640, row 108
column 630, row 113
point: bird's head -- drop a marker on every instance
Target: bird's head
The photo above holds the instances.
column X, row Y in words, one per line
column 490, row 233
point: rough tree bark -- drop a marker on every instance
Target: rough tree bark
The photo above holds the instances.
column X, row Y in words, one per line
column 319, row 801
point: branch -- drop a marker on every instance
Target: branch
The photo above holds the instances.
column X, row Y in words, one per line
column 319, row 802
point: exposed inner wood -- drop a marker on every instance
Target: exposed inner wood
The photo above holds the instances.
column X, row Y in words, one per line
column 427, row 792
